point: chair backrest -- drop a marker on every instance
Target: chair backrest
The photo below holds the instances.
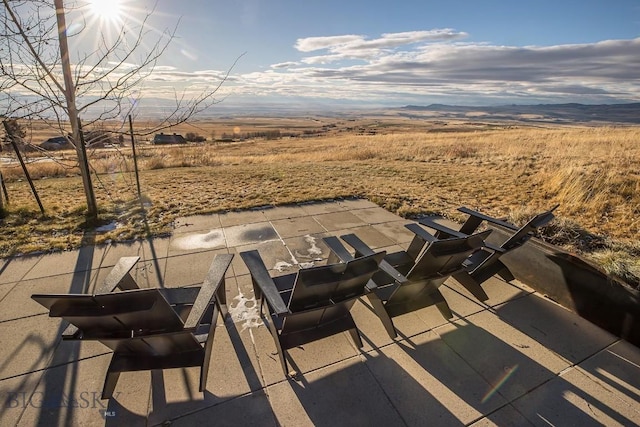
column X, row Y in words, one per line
column 114, row 314
column 444, row 257
column 324, row 295
column 434, row 265
column 329, row 284
column 526, row 231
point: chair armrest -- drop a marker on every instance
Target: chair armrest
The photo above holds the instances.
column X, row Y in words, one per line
column 213, row 280
column 446, row 231
column 337, row 249
column 479, row 217
column 391, row 271
column 421, row 232
column 119, row 276
column 362, row 249
column 420, row 239
column 542, row 219
column 263, row 284
column 494, row 248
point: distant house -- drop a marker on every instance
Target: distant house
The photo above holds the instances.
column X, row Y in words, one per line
column 161, row 138
column 56, row 143
column 92, row 139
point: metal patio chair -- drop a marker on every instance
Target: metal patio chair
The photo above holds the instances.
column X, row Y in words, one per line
column 409, row 280
column 486, row 263
column 313, row 303
column 146, row 328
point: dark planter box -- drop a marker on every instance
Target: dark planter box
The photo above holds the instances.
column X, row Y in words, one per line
column 575, row 284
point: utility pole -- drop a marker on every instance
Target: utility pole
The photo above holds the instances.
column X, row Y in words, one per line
column 70, row 95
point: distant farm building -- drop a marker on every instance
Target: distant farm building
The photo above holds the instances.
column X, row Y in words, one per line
column 56, row 143
column 101, row 139
column 161, row 138
column 92, row 138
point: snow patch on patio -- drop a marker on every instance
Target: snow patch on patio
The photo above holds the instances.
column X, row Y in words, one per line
column 314, row 253
column 306, row 264
column 246, row 312
column 282, row 266
column 212, row 239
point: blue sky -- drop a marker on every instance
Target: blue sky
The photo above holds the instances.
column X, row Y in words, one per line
column 400, row 52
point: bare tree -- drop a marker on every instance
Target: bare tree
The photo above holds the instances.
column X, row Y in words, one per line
column 40, row 79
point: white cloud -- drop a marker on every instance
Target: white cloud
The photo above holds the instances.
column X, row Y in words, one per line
column 323, row 59
column 310, row 44
column 427, row 66
column 360, row 48
column 161, row 68
column 124, row 65
column 435, row 63
column 287, row 64
column 431, row 66
column 391, row 40
column 388, row 40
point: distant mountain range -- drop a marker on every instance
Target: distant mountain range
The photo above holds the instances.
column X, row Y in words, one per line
column 560, row 113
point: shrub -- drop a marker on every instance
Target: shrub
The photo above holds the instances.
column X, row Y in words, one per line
column 194, row 137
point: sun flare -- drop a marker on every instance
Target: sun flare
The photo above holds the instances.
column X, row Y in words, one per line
column 107, row 10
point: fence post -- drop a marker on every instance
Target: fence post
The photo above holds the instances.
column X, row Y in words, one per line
column 24, row 167
column 5, row 193
column 135, row 158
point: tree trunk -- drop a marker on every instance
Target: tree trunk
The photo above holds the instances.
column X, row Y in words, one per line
column 92, row 207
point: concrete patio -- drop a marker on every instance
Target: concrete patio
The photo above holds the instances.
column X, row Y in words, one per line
column 518, row 359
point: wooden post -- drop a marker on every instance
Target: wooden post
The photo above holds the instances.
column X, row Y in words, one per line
column 4, row 190
column 135, row 158
column 1, row 199
column 24, row 167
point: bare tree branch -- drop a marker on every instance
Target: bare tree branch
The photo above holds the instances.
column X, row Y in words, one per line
column 103, row 80
column 26, row 40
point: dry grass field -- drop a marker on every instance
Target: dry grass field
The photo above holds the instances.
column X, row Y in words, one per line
column 407, row 167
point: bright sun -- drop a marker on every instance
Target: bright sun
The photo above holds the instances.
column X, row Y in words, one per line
column 107, row 10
